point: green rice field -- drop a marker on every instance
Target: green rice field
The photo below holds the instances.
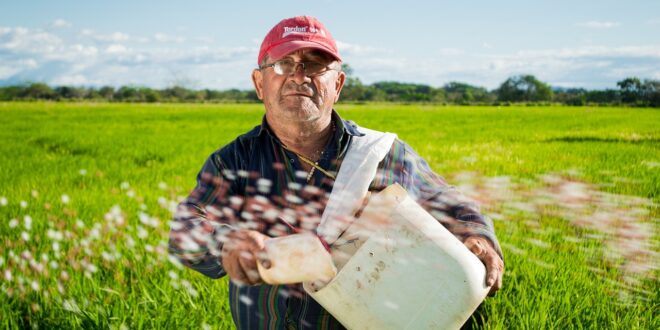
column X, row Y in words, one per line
column 87, row 191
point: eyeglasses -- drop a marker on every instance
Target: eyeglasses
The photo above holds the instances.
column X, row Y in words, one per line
column 287, row 67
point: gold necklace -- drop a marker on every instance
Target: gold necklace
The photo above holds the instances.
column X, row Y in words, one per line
column 315, row 164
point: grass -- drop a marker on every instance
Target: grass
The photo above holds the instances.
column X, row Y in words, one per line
column 569, row 189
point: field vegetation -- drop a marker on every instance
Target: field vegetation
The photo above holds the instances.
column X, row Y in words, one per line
column 87, row 191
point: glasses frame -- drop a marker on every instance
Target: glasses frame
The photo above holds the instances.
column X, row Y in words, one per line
column 295, row 68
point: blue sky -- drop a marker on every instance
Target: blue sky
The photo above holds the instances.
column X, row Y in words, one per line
column 214, row 44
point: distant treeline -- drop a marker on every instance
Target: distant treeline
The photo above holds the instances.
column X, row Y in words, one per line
column 518, row 89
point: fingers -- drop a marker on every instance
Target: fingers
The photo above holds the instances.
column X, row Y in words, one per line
column 494, row 272
column 240, row 253
column 494, row 264
column 248, row 264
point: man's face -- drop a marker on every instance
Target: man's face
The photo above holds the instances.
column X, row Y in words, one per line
column 297, row 97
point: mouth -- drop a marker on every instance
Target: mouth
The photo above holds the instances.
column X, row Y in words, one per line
column 297, row 95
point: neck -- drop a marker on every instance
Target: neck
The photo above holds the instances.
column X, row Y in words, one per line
column 306, row 138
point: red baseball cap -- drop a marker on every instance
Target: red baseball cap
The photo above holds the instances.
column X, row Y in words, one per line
column 295, row 33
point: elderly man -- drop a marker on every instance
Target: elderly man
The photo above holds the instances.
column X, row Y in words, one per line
column 286, row 168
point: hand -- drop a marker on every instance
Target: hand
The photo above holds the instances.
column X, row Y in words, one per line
column 484, row 250
column 240, row 253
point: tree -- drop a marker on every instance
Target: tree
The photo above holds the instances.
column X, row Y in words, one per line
column 651, row 92
column 631, row 90
column 107, row 92
column 524, row 88
column 462, row 93
column 39, row 91
column 353, row 89
column 70, row 93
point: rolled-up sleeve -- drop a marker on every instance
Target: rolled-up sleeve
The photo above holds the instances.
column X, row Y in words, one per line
column 203, row 219
column 454, row 211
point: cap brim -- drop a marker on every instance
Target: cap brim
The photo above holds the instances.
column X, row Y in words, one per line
column 286, row 48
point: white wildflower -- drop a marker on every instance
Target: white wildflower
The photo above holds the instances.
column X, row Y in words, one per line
column 23, row 204
column 25, row 236
column 142, row 233
column 92, row 268
column 34, row 285
column 124, row 185
column 13, row 223
column 64, row 275
column 65, row 199
column 94, row 233
column 294, row 186
column 35, row 194
column 107, row 256
column 8, row 276
column 174, row 261
column 82, row 172
column 27, row 222
column 144, row 218
column 54, row 235
column 162, row 185
column 71, row 306
column 3, row 201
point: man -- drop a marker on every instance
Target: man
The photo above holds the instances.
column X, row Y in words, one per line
column 275, row 180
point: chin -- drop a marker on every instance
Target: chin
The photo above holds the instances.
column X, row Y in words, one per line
column 301, row 111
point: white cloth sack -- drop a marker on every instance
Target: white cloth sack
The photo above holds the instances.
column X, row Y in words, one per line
column 356, row 172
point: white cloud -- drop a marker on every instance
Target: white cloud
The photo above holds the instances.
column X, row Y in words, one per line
column 450, row 52
column 162, row 37
column 117, row 58
column 20, row 39
column 60, row 23
column 598, row 25
column 116, row 49
column 589, row 67
column 111, row 37
column 92, row 58
column 76, row 79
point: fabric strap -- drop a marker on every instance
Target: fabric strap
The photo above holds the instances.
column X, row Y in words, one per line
column 356, row 172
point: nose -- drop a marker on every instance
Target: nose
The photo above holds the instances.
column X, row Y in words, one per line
column 298, row 74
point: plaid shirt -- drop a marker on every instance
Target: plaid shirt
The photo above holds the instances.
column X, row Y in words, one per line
column 253, row 181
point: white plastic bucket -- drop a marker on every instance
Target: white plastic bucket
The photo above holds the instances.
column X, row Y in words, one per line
column 408, row 273
column 297, row 258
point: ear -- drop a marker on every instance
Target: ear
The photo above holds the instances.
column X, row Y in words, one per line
column 339, row 84
column 257, row 80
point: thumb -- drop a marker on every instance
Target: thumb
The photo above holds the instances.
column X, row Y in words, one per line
column 263, row 258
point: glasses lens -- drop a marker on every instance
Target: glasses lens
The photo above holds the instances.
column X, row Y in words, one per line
column 284, row 67
column 287, row 67
column 313, row 68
